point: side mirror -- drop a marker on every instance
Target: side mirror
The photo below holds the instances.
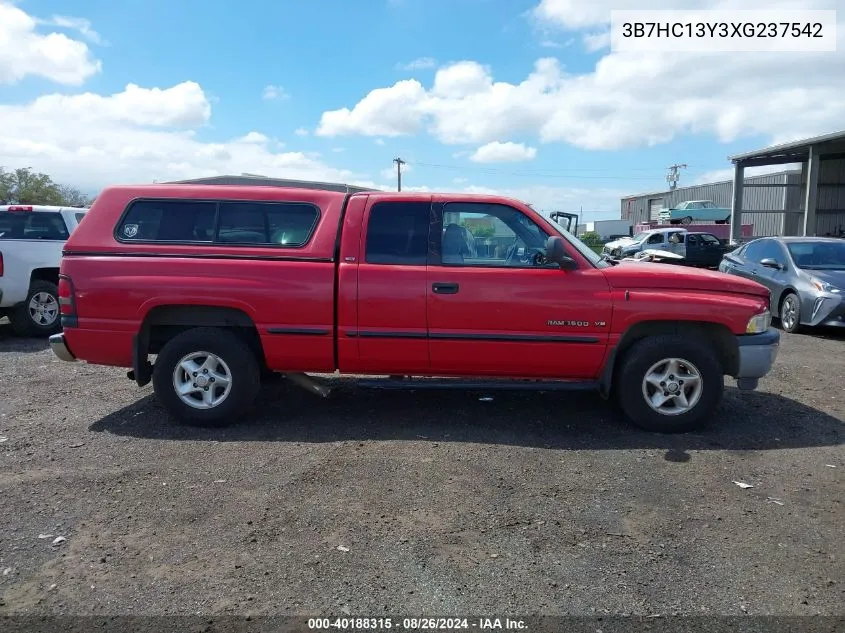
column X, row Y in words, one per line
column 556, row 252
column 770, row 263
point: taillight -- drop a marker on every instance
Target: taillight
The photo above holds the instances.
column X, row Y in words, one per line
column 1, row 264
column 67, row 296
column 17, row 207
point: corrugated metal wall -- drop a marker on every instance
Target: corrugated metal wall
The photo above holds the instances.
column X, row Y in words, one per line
column 831, row 202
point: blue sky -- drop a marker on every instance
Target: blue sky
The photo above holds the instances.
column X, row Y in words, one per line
column 598, row 124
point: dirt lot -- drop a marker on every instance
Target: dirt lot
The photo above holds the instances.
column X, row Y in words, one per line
column 426, row 503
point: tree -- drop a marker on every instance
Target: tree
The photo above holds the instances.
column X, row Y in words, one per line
column 26, row 186
column 591, row 238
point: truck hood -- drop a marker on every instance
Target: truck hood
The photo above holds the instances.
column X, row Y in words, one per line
column 672, row 277
column 622, row 241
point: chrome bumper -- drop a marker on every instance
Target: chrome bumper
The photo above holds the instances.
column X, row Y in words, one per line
column 757, row 355
column 60, row 348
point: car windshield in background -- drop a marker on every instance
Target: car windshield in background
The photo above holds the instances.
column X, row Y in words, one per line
column 639, row 237
column 818, row 255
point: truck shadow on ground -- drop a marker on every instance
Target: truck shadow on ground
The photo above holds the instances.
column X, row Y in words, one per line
column 570, row 421
column 10, row 342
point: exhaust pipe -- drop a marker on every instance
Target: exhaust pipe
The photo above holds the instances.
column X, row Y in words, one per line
column 309, row 384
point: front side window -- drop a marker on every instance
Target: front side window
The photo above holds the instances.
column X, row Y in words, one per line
column 753, row 251
column 657, row 238
column 481, row 234
column 397, row 233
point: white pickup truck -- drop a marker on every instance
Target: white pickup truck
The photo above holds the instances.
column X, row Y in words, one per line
column 31, row 241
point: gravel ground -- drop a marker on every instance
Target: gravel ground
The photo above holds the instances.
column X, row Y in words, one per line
column 418, row 503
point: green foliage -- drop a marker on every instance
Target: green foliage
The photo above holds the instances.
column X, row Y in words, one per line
column 591, row 239
column 483, row 231
column 26, row 186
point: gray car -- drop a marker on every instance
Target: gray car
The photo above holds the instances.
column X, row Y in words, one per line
column 806, row 276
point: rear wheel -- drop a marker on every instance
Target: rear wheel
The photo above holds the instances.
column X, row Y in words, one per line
column 670, row 384
column 38, row 315
column 206, row 377
column 790, row 313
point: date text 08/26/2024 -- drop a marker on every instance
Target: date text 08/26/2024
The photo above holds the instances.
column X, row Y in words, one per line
column 416, row 624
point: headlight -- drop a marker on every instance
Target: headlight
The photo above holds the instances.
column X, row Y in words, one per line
column 824, row 286
column 759, row 323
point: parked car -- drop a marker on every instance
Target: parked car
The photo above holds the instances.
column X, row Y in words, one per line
column 655, row 239
column 201, row 277
column 806, row 276
column 31, row 242
column 695, row 211
column 700, row 249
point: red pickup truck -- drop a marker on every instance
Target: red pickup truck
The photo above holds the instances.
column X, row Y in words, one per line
column 225, row 284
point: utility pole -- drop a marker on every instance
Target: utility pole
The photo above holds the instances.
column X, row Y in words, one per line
column 399, row 162
column 673, row 176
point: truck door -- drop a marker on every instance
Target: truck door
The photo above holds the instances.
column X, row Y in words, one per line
column 494, row 310
column 391, row 328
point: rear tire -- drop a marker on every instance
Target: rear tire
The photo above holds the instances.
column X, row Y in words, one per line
column 39, row 314
column 217, row 372
column 682, row 377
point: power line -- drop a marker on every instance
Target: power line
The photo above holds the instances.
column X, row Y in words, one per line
column 673, row 176
column 569, row 173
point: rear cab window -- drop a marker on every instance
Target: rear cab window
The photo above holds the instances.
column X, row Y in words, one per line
column 256, row 223
column 398, row 233
column 32, row 225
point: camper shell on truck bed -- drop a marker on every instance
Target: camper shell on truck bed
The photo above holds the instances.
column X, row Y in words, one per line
column 225, row 284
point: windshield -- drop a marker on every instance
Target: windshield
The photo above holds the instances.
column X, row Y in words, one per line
column 639, row 237
column 597, row 260
column 818, row 255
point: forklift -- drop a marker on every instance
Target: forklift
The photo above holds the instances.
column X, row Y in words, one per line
column 569, row 221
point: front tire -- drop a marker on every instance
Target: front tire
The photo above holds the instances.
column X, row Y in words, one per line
column 39, row 314
column 687, row 220
column 670, row 384
column 790, row 313
column 206, row 377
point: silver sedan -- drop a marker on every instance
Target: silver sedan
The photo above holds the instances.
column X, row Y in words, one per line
column 806, row 277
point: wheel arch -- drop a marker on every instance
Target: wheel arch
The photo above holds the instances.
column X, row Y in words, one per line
column 724, row 343
column 163, row 322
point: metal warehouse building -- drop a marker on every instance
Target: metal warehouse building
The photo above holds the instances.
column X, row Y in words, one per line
column 774, row 204
column 770, row 196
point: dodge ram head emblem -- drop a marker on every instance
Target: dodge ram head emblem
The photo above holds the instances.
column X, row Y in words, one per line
column 130, row 230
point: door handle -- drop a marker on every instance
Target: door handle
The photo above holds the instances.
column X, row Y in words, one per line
column 445, row 288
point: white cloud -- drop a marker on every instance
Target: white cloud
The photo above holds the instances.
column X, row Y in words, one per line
column 180, row 105
column 597, row 41
column 497, row 152
column 81, row 25
column 275, row 93
column 379, row 141
column 627, row 100
column 138, row 135
column 301, row 131
column 597, row 203
column 54, row 56
column 421, row 63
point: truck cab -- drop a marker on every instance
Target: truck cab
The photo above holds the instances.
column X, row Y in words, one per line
column 31, row 242
column 225, row 284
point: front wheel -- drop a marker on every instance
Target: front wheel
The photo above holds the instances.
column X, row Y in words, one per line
column 206, row 377
column 670, row 384
column 790, row 313
column 687, row 220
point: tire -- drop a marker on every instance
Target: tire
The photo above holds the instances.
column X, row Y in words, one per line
column 648, row 357
column 235, row 360
column 39, row 314
column 686, row 220
column 790, row 313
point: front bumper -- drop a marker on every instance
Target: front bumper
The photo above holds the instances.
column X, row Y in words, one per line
column 757, row 354
column 60, row 348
